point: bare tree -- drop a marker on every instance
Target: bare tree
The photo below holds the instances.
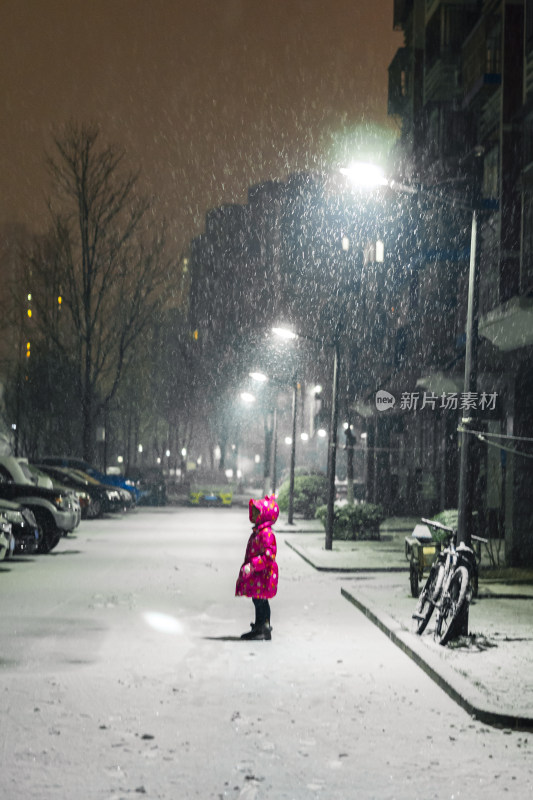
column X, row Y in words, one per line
column 100, row 273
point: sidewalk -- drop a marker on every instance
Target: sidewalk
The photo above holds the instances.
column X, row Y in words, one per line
column 489, row 673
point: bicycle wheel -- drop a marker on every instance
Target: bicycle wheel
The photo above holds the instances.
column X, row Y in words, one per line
column 428, row 597
column 454, row 604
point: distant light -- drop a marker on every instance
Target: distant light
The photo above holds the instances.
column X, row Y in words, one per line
column 29, row 297
column 345, row 425
column 120, row 459
column 239, row 473
column 304, row 437
column 380, row 252
column 199, row 461
column 317, row 389
column 217, row 452
column 345, row 242
column 59, row 300
column 140, row 448
column 321, row 432
column 183, row 452
column 258, row 376
column 285, row 333
column 158, row 460
column 364, row 435
column 257, row 458
column 167, row 453
column 29, row 312
column 364, row 175
column 14, row 426
column 288, row 440
column 247, row 397
column 229, row 473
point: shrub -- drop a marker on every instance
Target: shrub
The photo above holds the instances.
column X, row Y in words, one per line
column 310, row 491
column 448, row 517
column 360, row 521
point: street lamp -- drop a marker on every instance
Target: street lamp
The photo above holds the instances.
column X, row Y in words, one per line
column 287, row 334
column 361, row 176
column 262, row 378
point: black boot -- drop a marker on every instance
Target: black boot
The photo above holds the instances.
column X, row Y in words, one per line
column 259, row 632
column 251, row 633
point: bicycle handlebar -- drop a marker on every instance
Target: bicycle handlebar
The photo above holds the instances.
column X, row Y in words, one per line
column 438, row 525
column 442, row 527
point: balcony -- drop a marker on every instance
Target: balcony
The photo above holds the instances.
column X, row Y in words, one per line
column 510, row 326
column 529, row 77
column 398, row 82
column 481, row 71
column 441, row 82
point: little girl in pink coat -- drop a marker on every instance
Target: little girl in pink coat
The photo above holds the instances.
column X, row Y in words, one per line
column 258, row 575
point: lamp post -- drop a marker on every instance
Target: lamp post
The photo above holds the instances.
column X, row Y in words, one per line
column 293, row 452
column 261, row 377
column 375, row 177
column 332, row 452
column 332, row 442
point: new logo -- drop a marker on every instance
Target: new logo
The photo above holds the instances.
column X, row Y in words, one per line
column 384, row 400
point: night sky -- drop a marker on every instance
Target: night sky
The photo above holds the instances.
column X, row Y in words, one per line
column 207, row 97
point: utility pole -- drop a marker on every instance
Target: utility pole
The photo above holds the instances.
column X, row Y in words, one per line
column 293, row 451
column 332, row 454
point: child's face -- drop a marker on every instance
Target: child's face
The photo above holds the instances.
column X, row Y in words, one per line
column 255, row 513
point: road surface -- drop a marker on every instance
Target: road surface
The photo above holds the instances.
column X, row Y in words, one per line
column 123, row 675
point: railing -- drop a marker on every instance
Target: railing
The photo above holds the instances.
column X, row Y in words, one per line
column 490, row 115
column 441, row 81
column 529, row 75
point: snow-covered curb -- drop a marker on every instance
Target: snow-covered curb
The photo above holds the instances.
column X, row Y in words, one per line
column 435, row 661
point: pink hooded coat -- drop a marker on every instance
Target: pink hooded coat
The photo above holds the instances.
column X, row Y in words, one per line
column 260, row 553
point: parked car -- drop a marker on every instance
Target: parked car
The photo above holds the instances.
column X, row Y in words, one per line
column 150, row 484
column 46, row 480
column 118, row 499
column 26, row 532
column 98, row 499
column 59, row 481
column 53, row 509
column 118, row 481
column 7, row 540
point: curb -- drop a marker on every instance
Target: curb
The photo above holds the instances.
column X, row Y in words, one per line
column 343, row 569
column 455, row 686
column 456, row 692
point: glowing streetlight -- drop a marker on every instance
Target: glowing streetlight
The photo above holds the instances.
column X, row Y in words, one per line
column 364, row 175
column 247, row 397
column 260, row 377
column 285, row 333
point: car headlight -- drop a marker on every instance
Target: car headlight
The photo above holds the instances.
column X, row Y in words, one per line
column 5, row 527
column 13, row 516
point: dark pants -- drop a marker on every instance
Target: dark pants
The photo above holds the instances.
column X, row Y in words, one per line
column 262, row 611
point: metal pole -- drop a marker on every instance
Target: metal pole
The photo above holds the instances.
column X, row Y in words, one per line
column 465, row 519
column 274, row 449
column 332, row 454
column 466, row 465
column 293, row 451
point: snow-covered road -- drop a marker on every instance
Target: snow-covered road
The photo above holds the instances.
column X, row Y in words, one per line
column 123, row 676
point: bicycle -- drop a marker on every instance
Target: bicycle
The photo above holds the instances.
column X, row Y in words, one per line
column 451, row 584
